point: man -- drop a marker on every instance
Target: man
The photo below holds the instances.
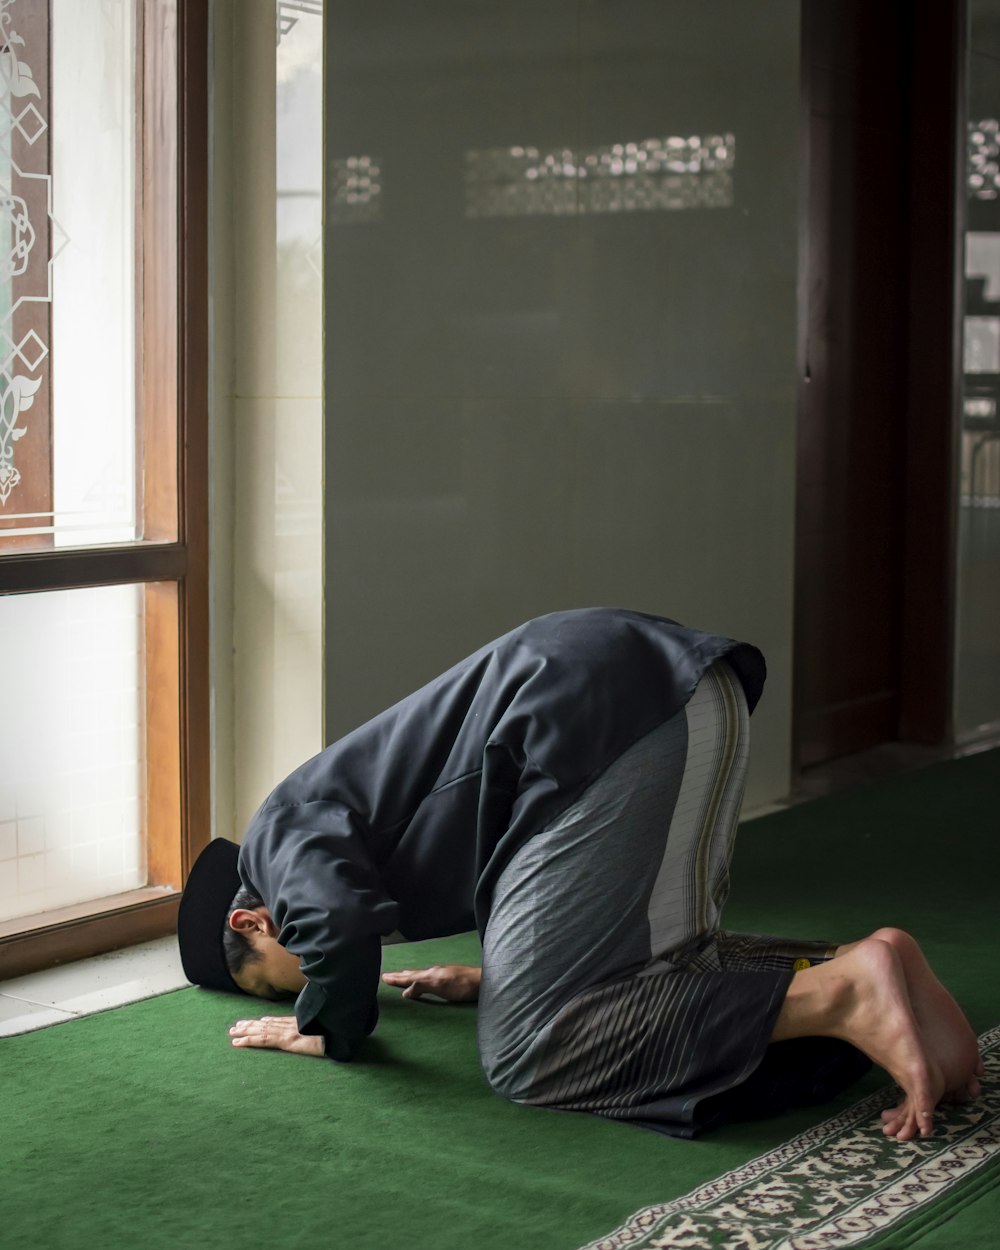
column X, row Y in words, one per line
column 572, row 791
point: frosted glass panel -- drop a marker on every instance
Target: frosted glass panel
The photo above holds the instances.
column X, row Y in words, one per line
column 71, row 748
column 298, row 174
column 269, row 315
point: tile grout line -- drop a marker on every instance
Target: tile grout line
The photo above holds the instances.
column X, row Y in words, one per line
column 33, row 1002
column 82, row 985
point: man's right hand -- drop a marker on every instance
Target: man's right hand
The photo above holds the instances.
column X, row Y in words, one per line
column 275, row 1033
column 456, row 983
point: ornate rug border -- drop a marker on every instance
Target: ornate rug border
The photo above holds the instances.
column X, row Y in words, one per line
column 880, row 1182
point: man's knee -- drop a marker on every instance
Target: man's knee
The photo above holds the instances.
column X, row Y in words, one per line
column 502, row 1071
column 502, row 1082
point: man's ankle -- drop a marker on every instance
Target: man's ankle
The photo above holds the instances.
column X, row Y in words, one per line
column 817, row 1003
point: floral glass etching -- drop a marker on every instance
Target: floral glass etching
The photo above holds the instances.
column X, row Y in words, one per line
column 68, row 468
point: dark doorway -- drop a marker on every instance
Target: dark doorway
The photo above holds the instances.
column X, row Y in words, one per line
column 877, row 272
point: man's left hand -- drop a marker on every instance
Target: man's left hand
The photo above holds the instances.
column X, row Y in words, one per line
column 456, row 983
column 275, row 1033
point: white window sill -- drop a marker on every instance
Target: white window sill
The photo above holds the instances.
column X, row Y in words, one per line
column 90, row 985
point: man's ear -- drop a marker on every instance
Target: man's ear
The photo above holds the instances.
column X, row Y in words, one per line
column 259, row 920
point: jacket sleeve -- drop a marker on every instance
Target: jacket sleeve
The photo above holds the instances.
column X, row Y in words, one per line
column 310, row 864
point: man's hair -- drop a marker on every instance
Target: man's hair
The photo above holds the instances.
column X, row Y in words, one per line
column 236, row 946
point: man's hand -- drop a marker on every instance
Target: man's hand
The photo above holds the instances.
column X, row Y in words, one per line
column 457, row 983
column 275, row 1033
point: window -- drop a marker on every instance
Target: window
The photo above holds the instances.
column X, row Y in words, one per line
column 103, row 470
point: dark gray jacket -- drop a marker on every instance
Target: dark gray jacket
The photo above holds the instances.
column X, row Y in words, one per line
column 406, row 823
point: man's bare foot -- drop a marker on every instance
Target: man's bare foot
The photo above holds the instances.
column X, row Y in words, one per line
column 947, row 1035
column 862, row 998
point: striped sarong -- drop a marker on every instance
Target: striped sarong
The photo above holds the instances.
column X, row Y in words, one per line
column 608, row 984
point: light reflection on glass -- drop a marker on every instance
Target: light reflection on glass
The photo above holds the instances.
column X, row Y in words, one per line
column 979, row 480
column 980, row 408
column 355, row 189
column 982, row 345
column 652, row 175
column 983, row 174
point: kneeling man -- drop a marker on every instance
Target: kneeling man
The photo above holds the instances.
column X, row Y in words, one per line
column 572, row 791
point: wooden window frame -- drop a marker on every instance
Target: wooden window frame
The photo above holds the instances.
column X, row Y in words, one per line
column 174, row 424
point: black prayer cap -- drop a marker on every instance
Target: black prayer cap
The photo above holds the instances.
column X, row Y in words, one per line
column 208, row 896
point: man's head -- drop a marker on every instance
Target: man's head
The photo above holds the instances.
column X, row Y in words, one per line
column 257, row 962
column 228, row 939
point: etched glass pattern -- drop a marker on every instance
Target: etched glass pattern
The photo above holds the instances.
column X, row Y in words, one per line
column 67, row 273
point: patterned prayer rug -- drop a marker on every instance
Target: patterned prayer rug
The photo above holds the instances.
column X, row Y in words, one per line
column 840, row 1185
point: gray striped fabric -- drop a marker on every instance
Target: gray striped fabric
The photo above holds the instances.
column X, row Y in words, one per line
column 608, row 985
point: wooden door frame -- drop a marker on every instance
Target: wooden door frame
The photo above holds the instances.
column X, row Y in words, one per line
column 937, row 155
column 934, row 162
column 90, row 928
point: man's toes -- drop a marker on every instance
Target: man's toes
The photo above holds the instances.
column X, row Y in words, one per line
column 897, row 1128
column 894, row 1118
column 912, row 1118
column 908, row 1129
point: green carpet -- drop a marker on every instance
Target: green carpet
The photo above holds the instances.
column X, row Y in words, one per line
column 143, row 1127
